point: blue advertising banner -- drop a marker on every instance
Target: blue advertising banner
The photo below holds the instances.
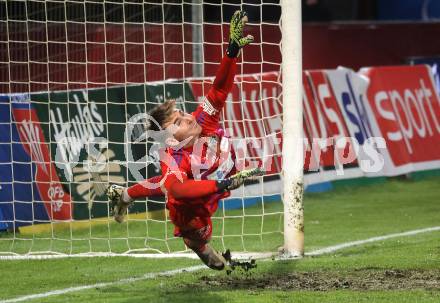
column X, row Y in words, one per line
column 408, row 9
column 18, row 194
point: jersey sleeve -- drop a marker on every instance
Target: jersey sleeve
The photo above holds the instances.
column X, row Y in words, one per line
column 178, row 178
column 207, row 118
column 208, row 112
column 190, row 189
column 147, row 188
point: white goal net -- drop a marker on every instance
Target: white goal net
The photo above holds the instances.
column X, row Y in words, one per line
column 73, row 74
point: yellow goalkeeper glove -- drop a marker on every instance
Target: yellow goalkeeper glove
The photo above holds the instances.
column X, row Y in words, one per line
column 238, row 179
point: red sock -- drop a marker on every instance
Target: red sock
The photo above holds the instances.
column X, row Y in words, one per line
column 141, row 190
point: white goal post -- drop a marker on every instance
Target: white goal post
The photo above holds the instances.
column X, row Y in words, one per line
column 77, row 73
column 293, row 158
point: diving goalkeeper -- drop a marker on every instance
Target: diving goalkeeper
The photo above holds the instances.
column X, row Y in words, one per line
column 198, row 165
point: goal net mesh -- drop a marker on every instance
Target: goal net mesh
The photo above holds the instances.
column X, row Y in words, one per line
column 74, row 76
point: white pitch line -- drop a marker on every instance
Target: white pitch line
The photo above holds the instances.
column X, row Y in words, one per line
column 147, row 276
column 99, row 285
column 334, row 248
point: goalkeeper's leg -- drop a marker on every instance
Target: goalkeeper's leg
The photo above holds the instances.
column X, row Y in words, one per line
column 212, row 258
column 196, row 235
column 121, row 198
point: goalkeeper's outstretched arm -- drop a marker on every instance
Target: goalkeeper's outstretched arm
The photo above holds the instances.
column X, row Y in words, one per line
column 208, row 113
column 200, row 188
column 121, row 198
column 144, row 189
column 224, row 77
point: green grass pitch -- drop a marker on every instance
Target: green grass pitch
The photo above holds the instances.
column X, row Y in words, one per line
column 403, row 269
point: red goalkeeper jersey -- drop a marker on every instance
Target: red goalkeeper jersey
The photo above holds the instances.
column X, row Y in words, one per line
column 200, row 165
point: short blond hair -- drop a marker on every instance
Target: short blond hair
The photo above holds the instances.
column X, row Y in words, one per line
column 162, row 114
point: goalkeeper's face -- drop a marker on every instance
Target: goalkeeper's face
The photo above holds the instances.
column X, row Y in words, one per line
column 185, row 127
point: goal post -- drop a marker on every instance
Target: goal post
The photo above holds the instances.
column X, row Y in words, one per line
column 293, row 159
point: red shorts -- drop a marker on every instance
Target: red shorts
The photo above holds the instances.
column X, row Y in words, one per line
column 198, row 229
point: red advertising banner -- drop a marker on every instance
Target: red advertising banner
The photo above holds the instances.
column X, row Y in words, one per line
column 324, row 121
column 406, row 109
column 56, row 201
column 346, row 114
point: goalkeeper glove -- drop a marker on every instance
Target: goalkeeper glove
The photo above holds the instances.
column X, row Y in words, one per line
column 236, row 38
column 229, row 184
column 238, row 179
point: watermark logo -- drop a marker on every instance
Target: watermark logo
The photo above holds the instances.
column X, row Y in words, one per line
column 213, row 157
